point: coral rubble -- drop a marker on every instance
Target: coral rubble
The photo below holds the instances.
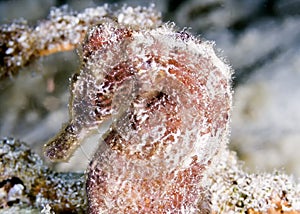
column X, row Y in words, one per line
column 64, row 29
column 25, row 181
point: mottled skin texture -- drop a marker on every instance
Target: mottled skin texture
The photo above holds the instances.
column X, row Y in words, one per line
column 168, row 96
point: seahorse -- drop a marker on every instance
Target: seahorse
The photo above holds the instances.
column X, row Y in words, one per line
column 168, row 97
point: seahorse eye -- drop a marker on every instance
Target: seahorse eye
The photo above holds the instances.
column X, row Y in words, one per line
column 75, row 77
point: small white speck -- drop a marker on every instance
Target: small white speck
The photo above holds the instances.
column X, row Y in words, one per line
column 9, row 51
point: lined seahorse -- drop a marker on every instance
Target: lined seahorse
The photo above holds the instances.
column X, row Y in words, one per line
column 168, row 96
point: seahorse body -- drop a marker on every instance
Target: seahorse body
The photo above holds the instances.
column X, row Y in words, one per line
column 169, row 98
